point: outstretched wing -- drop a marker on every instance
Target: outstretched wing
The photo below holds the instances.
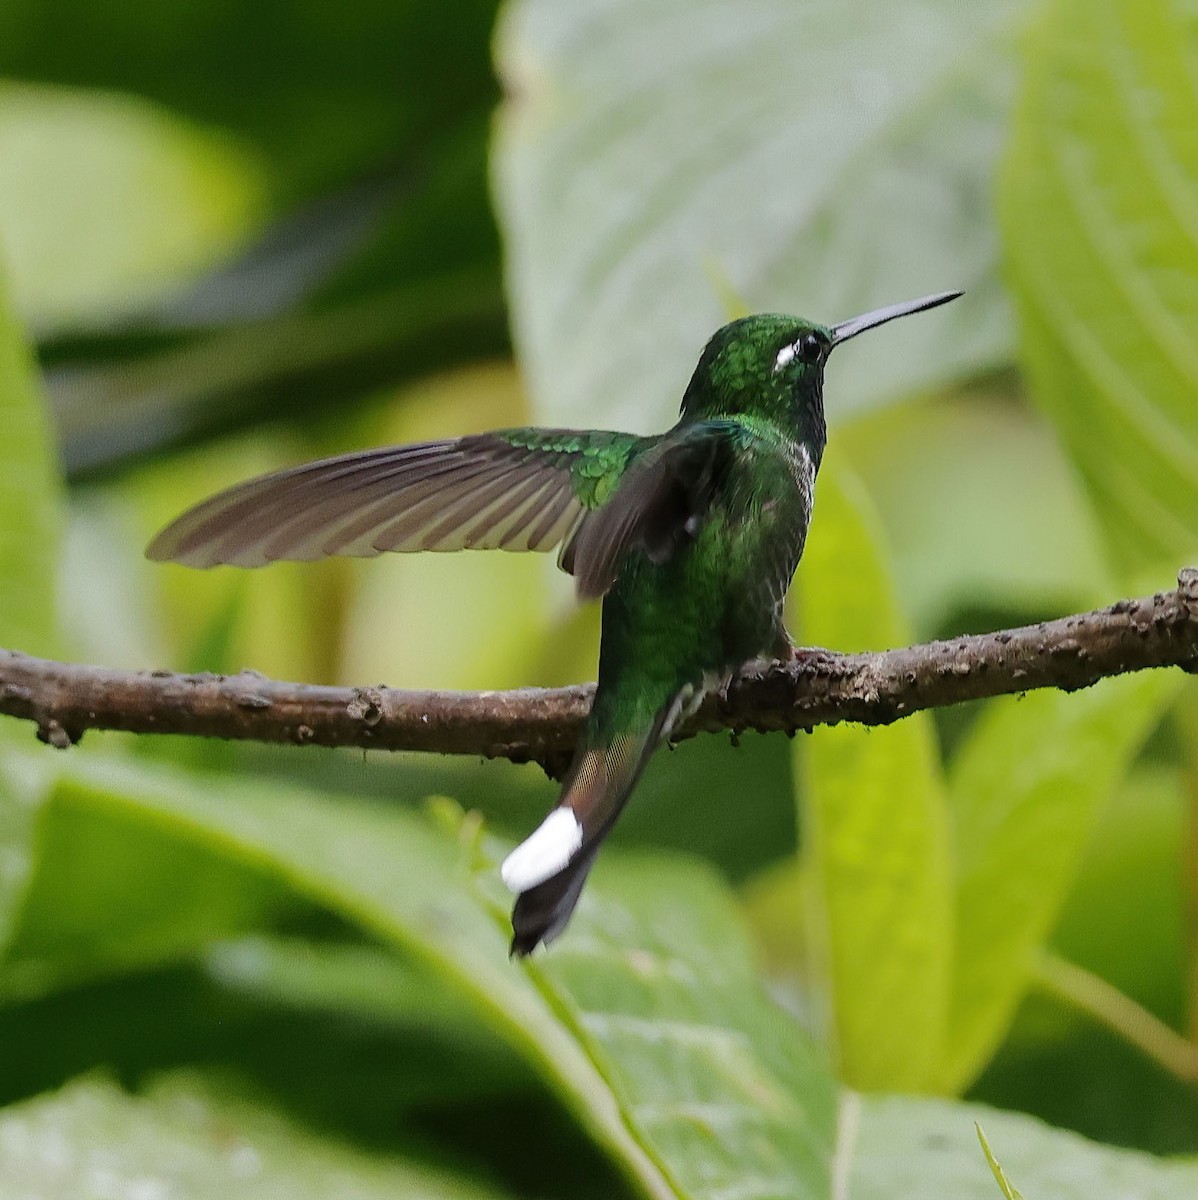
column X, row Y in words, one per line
column 518, row 489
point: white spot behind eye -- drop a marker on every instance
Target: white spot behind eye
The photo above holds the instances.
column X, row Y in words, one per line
column 784, row 356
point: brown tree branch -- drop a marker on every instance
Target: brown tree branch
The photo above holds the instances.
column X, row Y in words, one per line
column 818, row 688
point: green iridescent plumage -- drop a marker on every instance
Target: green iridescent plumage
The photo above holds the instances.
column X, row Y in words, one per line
column 691, row 536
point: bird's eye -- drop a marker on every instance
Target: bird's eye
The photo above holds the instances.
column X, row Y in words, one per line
column 810, row 348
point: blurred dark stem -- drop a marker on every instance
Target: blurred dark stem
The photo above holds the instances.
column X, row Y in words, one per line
column 108, row 414
column 537, row 724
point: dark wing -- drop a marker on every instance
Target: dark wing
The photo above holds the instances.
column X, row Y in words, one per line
column 660, row 502
column 519, row 489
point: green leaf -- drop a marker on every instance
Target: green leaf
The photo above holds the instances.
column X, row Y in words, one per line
column 92, row 1141
column 934, row 469
column 1125, row 916
column 112, row 891
column 928, row 1149
column 1026, row 786
column 824, row 163
column 1098, row 214
column 293, row 1013
column 325, row 96
column 364, row 133
column 367, row 982
column 346, row 1035
column 30, row 524
column 1005, row 1186
column 21, row 794
column 661, row 987
column 874, row 823
column 647, row 1019
column 162, row 201
column 30, row 500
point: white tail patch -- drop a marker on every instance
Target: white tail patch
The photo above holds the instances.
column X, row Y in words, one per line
column 545, row 852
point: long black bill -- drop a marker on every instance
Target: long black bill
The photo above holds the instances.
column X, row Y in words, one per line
column 871, row 320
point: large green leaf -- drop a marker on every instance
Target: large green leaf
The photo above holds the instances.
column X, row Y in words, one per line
column 1026, row 787
column 874, row 823
column 112, row 892
column 92, row 1141
column 1099, row 217
column 344, row 1034
column 706, row 1068
column 185, row 1139
column 647, row 1020
column 366, row 982
column 927, row 1149
column 823, row 161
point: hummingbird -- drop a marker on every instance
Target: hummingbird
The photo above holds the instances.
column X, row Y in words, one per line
column 691, row 538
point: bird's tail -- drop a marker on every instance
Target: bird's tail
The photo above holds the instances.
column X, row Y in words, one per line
column 548, row 868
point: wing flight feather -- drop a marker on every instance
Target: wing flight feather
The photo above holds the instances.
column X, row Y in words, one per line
column 512, row 490
column 597, row 495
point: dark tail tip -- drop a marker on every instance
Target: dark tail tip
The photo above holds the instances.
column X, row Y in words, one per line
column 541, row 913
column 524, row 942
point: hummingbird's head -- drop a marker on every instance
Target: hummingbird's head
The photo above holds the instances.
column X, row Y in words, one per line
column 770, row 365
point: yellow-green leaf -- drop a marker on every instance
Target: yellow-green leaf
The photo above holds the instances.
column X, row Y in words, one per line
column 107, row 200
column 1099, row 213
column 92, row 1141
column 30, row 500
column 873, row 823
column 1026, row 788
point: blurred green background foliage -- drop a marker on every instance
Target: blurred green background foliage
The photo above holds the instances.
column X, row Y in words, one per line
column 236, row 236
